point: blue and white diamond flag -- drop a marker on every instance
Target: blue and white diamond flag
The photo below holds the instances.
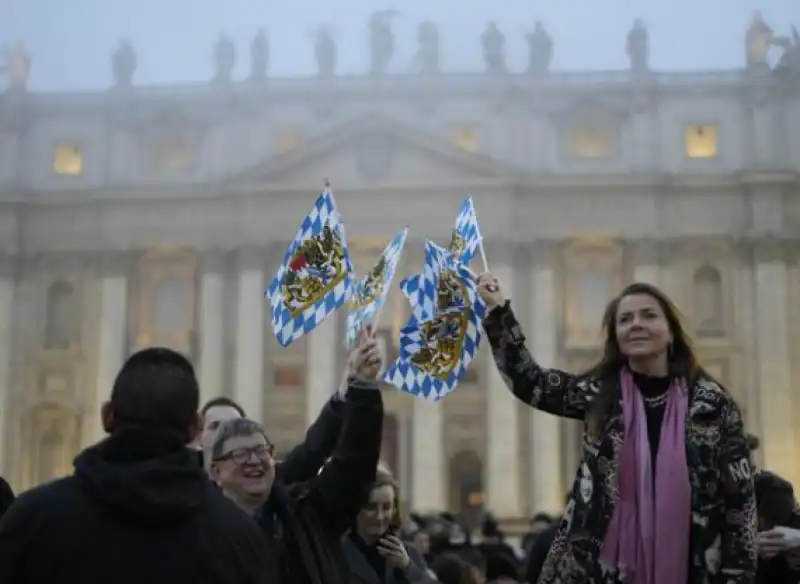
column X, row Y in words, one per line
column 315, row 277
column 435, row 352
column 465, row 239
column 369, row 293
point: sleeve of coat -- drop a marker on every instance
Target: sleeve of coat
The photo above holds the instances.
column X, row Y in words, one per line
column 6, row 496
column 15, row 539
column 305, row 459
column 739, row 553
column 342, row 488
column 550, row 390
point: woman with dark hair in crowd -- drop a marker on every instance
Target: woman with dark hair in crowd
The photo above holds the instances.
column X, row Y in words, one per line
column 665, row 457
column 373, row 548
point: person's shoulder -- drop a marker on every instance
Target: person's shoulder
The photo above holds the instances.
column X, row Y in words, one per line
column 52, row 499
column 223, row 515
column 709, row 394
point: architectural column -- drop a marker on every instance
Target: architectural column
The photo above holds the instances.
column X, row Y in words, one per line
column 212, row 341
column 775, row 389
column 502, row 457
column 248, row 388
column 112, row 341
column 546, row 445
column 428, row 459
column 746, row 325
column 321, row 378
column 6, row 330
column 645, row 262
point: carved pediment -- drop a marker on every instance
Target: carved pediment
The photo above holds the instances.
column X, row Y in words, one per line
column 371, row 152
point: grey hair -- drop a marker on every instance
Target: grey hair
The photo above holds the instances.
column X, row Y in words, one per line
column 233, row 429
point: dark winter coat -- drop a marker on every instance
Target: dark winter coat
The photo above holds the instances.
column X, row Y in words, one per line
column 138, row 508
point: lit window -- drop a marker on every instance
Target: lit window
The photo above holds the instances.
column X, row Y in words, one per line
column 68, row 160
column 288, row 140
column 590, row 143
column 701, row 141
column 172, row 153
column 466, row 139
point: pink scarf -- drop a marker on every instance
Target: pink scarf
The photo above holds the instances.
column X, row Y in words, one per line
column 643, row 517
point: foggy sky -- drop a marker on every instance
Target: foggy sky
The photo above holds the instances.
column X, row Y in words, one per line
column 70, row 41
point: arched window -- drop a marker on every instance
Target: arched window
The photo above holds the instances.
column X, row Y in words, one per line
column 59, row 315
column 466, row 483
column 707, row 310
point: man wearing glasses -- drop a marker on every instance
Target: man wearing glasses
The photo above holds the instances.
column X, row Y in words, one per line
column 304, row 522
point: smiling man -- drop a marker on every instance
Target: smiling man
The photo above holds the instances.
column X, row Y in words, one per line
column 304, row 521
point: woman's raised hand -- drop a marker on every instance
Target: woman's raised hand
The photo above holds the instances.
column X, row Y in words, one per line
column 490, row 291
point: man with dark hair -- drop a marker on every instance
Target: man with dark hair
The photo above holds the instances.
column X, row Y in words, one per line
column 300, row 464
column 139, row 507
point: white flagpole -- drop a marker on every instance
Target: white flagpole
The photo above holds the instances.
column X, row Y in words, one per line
column 480, row 239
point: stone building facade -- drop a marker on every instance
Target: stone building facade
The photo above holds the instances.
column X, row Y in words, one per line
column 149, row 215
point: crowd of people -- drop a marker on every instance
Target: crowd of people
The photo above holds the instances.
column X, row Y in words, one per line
column 665, row 492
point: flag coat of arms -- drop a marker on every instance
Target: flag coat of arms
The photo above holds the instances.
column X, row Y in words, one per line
column 435, row 352
column 369, row 293
column 465, row 239
column 315, row 276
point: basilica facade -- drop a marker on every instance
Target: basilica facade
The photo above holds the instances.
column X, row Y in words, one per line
column 158, row 215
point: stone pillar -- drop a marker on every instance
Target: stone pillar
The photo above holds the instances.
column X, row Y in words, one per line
column 321, row 379
column 112, row 340
column 502, row 460
column 212, row 341
column 6, row 330
column 771, row 289
column 746, row 325
column 248, row 387
column 546, row 445
column 428, row 461
column 645, row 262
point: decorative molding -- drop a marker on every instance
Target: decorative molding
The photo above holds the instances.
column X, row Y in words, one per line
column 770, row 250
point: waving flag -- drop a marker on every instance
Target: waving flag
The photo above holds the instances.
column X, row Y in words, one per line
column 442, row 337
column 370, row 292
column 465, row 239
column 314, row 279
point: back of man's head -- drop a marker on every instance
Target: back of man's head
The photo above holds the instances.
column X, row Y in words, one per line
column 157, row 388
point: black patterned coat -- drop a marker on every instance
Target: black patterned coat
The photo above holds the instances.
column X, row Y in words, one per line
column 723, row 527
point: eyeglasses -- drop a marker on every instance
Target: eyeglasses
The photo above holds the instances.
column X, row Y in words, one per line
column 241, row 456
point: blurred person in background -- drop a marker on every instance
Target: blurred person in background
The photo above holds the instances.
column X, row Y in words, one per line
column 539, row 523
column 776, row 508
column 451, row 569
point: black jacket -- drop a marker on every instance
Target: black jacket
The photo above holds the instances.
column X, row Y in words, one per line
column 305, row 459
column 538, row 553
column 307, row 520
column 363, row 571
column 138, row 509
column 6, row 497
